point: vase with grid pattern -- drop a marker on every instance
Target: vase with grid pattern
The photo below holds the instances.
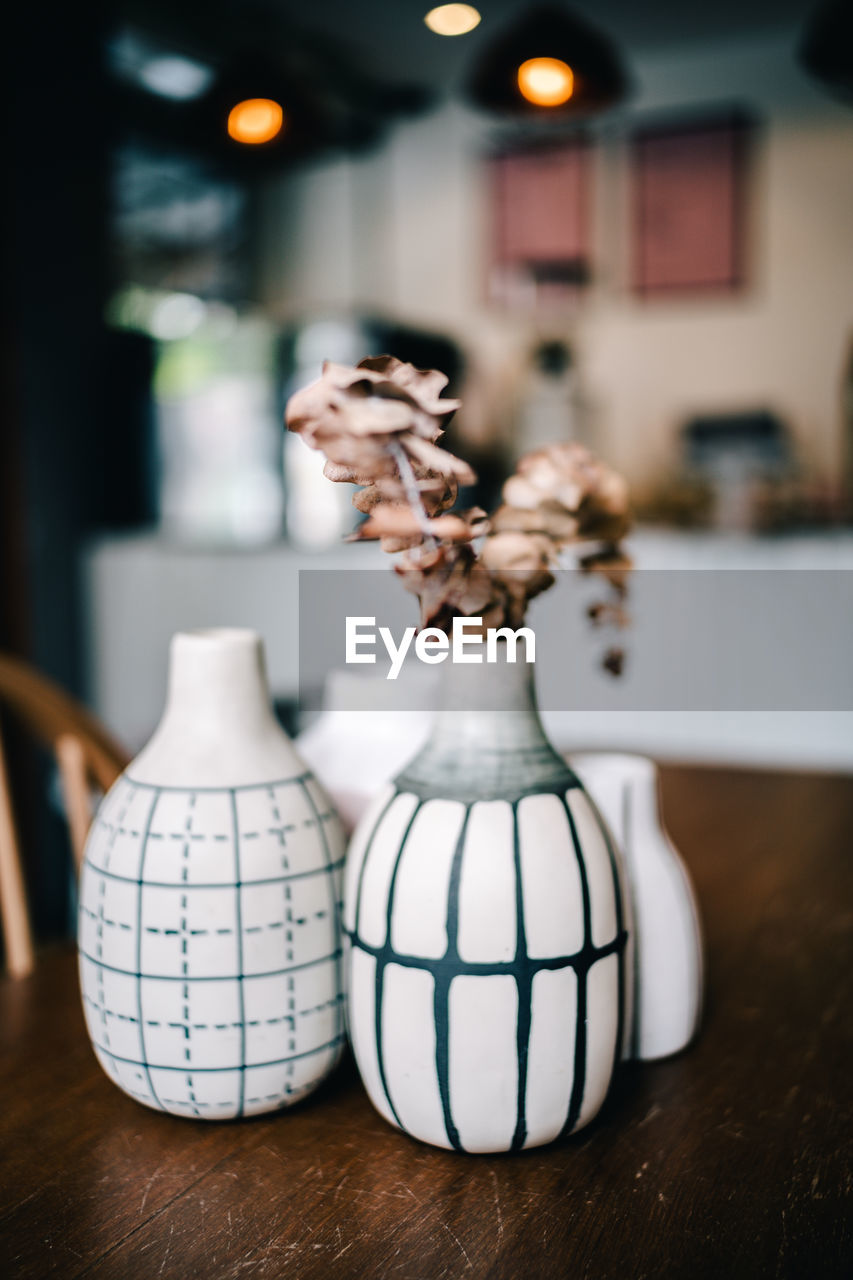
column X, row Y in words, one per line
column 486, row 929
column 209, row 935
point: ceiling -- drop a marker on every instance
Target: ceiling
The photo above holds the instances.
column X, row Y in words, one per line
column 388, row 38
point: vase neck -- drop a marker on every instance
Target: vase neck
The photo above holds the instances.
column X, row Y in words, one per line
column 217, row 682
column 487, row 738
column 218, row 726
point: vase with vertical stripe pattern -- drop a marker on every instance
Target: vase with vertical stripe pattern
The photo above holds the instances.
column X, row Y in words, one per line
column 209, row 931
column 485, row 924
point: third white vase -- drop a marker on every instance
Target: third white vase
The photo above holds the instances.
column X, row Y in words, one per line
column 666, row 947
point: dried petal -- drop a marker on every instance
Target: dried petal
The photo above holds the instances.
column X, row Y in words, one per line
column 398, row 521
column 515, row 552
column 426, row 385
column 385, row 489
column 608, row 613
column 438, row 460
column 438, row 493
column 519, row 492
column 600, row 525
column 611, row 563
column 614, row 661
column 548, row 519
column 344, row 475
column 448, row 583
column 382, row 396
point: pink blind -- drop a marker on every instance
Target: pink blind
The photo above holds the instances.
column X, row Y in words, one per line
column 688, row 210
column 541, row 199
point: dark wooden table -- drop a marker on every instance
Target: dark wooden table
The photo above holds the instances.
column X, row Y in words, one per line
column 730, row 1160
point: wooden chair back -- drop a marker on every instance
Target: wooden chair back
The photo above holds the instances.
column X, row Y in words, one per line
column 85, row 754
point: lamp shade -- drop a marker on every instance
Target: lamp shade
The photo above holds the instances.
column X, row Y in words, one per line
column 826, row 48
column 550, row 62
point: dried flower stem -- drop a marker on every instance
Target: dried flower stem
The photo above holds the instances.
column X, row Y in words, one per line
column 412, row 492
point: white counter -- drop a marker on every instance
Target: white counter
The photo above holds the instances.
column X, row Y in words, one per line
column 141, row 589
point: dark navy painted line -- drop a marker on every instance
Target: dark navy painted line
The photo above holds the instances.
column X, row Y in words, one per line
column 486, row 968
column 367, row 848
column 524, row 988
column 442, row 978
column 620, row 928
column 382, row 962
column 224, row 884
column 635, row 941
column 225, row 1071
column 214, row 977
column 581, row 970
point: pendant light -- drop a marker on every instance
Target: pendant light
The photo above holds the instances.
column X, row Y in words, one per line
column 826, row 47
column 550, row 62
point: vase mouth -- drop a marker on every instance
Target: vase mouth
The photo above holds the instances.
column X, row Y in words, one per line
column 629, row 764
column 217, row 638
column 232, row 635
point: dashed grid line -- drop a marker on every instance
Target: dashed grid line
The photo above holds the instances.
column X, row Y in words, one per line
column 104, row 920
column 99, row 946
column 185, row 851
column 334, row 903
column 280, row 829
column 110, row 847
column 290, row 1016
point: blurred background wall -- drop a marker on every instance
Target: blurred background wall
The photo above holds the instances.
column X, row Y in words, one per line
column 405, row 231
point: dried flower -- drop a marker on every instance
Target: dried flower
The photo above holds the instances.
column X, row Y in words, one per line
column 565, row 474
column 378, row 425
column 354, row 414
column 568, row 493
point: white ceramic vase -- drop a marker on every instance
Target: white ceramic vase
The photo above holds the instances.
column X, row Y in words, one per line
column 666, row 945
column 486, row 937
column 210, row 952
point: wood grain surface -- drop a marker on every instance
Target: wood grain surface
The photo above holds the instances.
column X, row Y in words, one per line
column 731, row 1160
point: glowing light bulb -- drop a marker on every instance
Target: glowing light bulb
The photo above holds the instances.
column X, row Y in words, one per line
column 255, row 120
column 452, row 19
column 546, row 82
